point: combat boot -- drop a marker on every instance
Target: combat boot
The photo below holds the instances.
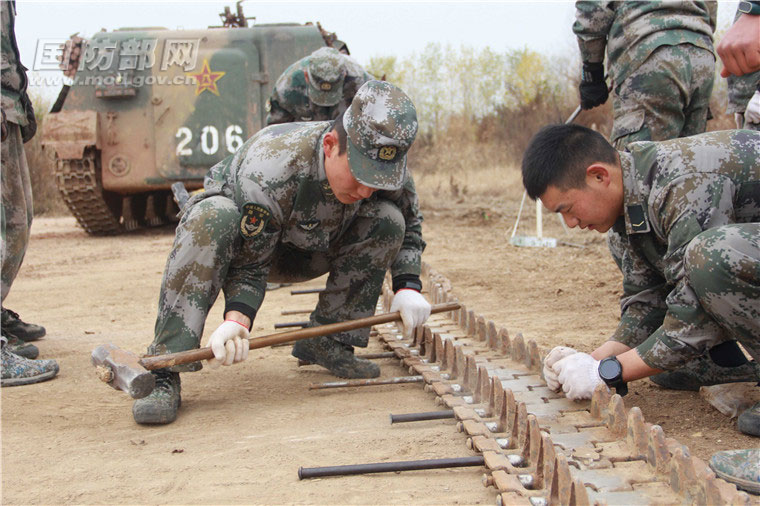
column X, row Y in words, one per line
column 336, row 357
column 12, row 324
column 20, row 348
column 749, row 421
column 703, row 372
column 17, row 370
column 162, row 404
column 740, row 467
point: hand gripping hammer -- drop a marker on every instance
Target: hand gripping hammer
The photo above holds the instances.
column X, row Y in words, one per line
column 126, row 371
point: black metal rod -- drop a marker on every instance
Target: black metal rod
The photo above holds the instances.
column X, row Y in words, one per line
column 418, row 417
column 385, row 467
column 291, row 324
column 307, row 290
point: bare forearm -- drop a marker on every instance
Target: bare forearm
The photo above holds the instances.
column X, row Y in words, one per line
column 633, row 366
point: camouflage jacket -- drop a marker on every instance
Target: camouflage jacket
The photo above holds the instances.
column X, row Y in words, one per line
column 631, row 31
column 674, row 190
column 279, row 176
column 15, row 102
column 290, row 97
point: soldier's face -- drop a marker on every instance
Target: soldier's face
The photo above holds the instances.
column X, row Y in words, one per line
column 594, row 207
column 343, row 183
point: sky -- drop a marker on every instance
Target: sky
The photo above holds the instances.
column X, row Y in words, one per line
column 369, row 28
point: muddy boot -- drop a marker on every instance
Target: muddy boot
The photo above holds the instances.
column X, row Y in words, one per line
column 162, row 404
column 336, row 357
column 740, row 467
column 749, row 421
column 12, row 324
column 20, row 348
column 17, row 370
column 703, row 372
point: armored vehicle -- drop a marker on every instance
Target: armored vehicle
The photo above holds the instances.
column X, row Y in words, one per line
column 147, row 107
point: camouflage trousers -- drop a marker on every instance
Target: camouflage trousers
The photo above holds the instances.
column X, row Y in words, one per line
column 665, row 98
column 17, row 211
column 206, row 245
column 722, row 266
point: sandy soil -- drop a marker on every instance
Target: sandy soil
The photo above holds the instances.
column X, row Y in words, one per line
column 244, row 431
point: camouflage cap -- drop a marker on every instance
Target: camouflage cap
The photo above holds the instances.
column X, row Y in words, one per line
column 380, row 125
column 326, row 73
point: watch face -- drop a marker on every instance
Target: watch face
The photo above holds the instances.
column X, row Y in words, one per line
column 745, row 7
column 609, row 369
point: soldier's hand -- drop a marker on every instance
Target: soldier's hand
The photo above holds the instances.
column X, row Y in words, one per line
column 579, row 375
column 229, row 342
column 554, row 356
column 739, row 49
column 413, row 307
column 752, row 112
column 593, row 87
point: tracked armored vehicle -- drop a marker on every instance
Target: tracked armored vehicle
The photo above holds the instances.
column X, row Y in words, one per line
column 148, row 107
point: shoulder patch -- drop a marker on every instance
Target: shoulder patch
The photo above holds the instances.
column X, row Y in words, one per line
column 639, row 223
column 255, row 218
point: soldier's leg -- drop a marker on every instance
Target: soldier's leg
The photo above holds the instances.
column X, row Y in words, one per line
column 722, row 266
column 357, row 265
column 357, row 268
column 204, row 246
column 702, row 69
column 16, row 215
column 651, row 103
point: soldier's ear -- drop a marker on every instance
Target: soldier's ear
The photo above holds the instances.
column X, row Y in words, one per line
column 306, row 76
column 597, row 173
column 330, row 144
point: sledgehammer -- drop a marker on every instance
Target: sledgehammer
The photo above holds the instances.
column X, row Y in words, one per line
column 126, row 371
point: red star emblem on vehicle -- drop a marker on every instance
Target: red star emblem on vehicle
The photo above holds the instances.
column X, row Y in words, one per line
column 207, row 79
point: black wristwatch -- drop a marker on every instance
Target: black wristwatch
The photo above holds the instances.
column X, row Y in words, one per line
column 611, row 373
column 751, row 8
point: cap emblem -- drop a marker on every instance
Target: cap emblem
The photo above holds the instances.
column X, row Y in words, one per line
column 387, row 153
column 325, row 86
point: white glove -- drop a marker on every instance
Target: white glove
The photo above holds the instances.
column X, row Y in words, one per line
column 413, row 307
column 752, row 112
column 554, row 356
column 579, row 375
column 229, row 342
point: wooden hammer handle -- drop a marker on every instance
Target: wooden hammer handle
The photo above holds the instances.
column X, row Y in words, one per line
column 186, row 357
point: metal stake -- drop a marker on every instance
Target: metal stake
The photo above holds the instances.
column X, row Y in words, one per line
column 418, row 417
column 366, row 382
column 385, row 467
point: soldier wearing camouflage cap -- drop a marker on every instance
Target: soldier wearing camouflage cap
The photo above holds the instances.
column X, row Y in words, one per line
column 684, row 228
column 295, row 202
column 318, row 87
column 661, row 61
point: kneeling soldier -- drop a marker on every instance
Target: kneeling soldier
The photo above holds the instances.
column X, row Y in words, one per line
column 295, row 202
column 684, row 227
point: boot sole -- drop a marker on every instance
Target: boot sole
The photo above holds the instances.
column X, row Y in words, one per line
column 752, row 487
column 13, row 382
column 156, row 418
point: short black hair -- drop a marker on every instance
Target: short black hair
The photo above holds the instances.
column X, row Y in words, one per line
column 341, row 131
column 558, row 155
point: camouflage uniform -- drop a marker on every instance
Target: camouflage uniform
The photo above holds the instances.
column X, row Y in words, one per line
column 689, row 246
column 268, row 213
column 290, row 97
column 19, row 126
column 661, row 60
column 740, row 91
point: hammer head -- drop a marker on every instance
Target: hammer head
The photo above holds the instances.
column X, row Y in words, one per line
column 123, row 370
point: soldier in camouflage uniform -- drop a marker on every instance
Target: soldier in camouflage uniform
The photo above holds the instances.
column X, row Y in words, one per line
column 295, row 202
column 661, row 61
column 684, row 228
column 18, row 126
column 317, row 87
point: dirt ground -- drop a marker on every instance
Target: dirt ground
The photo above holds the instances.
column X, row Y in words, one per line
column 244, row 431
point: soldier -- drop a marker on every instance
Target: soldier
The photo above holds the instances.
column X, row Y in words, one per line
column 317, row 87
column 18, row 126
column 684, row 228
column 295, row 202
column 661, row 62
